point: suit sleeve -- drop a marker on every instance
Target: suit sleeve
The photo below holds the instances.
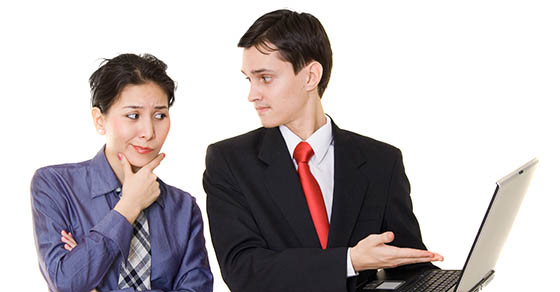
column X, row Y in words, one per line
column 246, row 261
column 83, row 268
column 399, row 216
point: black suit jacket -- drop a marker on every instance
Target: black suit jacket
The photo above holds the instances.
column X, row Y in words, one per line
column 260, row 224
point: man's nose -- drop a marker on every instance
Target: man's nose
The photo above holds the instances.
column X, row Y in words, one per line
column 254, row 94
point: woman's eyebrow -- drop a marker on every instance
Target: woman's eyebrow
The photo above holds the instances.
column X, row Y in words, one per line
column 139, row 106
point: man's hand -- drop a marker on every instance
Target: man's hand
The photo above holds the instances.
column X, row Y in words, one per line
column 139, row 189
column 373, row 253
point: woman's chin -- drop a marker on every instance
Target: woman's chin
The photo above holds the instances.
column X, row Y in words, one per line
column 137, row 163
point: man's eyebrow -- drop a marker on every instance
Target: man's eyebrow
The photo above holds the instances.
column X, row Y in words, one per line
column 261, row 71
column 257, row 71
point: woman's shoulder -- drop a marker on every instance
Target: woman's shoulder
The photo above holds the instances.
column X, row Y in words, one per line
column 65, row 171
column 59, row 183
column 64, row 167
column 179, row 203
column 176, row 194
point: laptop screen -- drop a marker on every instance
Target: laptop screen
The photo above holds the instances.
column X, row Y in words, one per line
column 495, row 227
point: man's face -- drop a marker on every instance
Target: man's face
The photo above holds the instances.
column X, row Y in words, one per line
column 279, row 96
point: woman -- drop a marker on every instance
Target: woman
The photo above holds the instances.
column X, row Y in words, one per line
column 110, row 223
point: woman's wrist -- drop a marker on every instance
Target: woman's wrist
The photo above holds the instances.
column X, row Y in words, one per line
column 128, row 210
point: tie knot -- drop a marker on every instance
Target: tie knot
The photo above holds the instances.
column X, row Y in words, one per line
column 303, row 152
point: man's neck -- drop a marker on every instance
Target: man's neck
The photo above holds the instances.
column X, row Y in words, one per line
column 312, row 120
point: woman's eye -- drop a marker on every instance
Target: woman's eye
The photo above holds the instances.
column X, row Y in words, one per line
column 132, row 116
column 160, row 116
column 266, row 79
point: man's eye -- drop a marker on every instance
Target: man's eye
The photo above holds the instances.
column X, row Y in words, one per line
column 160, row 116
column 266, row 78
column 132, row 116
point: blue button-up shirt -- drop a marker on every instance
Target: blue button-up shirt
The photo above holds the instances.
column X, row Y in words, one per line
column 79, row 198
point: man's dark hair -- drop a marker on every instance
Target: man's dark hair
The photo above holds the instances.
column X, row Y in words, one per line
column 113, row 75
column 298, row 37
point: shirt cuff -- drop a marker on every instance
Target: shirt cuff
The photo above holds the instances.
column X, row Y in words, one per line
column 349, row 267
column 115, row 227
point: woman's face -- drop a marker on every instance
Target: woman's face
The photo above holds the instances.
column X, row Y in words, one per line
column 137, row 124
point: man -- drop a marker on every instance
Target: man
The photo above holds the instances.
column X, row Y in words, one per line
column 291, row 216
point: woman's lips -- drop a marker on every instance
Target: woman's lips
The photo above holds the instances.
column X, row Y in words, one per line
column 142, row 150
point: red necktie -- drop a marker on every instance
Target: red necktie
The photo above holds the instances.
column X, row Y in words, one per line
column 313, row 195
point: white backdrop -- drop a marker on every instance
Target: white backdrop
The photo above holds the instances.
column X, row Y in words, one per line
column 465, row 89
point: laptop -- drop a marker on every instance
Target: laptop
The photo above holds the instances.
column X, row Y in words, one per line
column 478, row 270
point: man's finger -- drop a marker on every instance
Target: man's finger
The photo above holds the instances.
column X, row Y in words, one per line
column 411, row 253
column 438, row 257
column 433, row 258
column 155, row 162
column 408, row 261
column 387, row 237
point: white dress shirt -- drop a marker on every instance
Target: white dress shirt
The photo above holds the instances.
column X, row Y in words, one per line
column 321, row 165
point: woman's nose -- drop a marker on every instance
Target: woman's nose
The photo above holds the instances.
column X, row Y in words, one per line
column 147, row 129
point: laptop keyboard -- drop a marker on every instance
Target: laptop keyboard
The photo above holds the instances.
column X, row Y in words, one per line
column 434, row 281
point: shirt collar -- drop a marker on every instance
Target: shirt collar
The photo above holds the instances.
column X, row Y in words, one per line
column 319, row 141
column 102, row 178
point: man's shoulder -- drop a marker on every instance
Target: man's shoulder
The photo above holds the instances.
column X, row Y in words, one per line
column 246, row 142
column 239, row 152
column 367, row 144
column 248, row 137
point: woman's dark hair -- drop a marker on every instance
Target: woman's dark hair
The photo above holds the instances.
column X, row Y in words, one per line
column 113, row 75
column 298, row 37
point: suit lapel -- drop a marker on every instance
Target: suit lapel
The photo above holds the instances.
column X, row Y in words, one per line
column 350, row 187
column 284, row 187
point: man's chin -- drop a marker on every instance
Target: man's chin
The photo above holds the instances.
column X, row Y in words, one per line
column 269, row 124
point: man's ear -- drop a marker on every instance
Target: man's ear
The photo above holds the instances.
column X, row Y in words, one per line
column 98, row 120
column 314, row 73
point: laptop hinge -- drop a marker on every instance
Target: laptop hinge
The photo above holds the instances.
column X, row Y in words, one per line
column 485, row 280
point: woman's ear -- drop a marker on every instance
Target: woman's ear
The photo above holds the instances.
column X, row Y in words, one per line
column 314, row 74
column 98, row 120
